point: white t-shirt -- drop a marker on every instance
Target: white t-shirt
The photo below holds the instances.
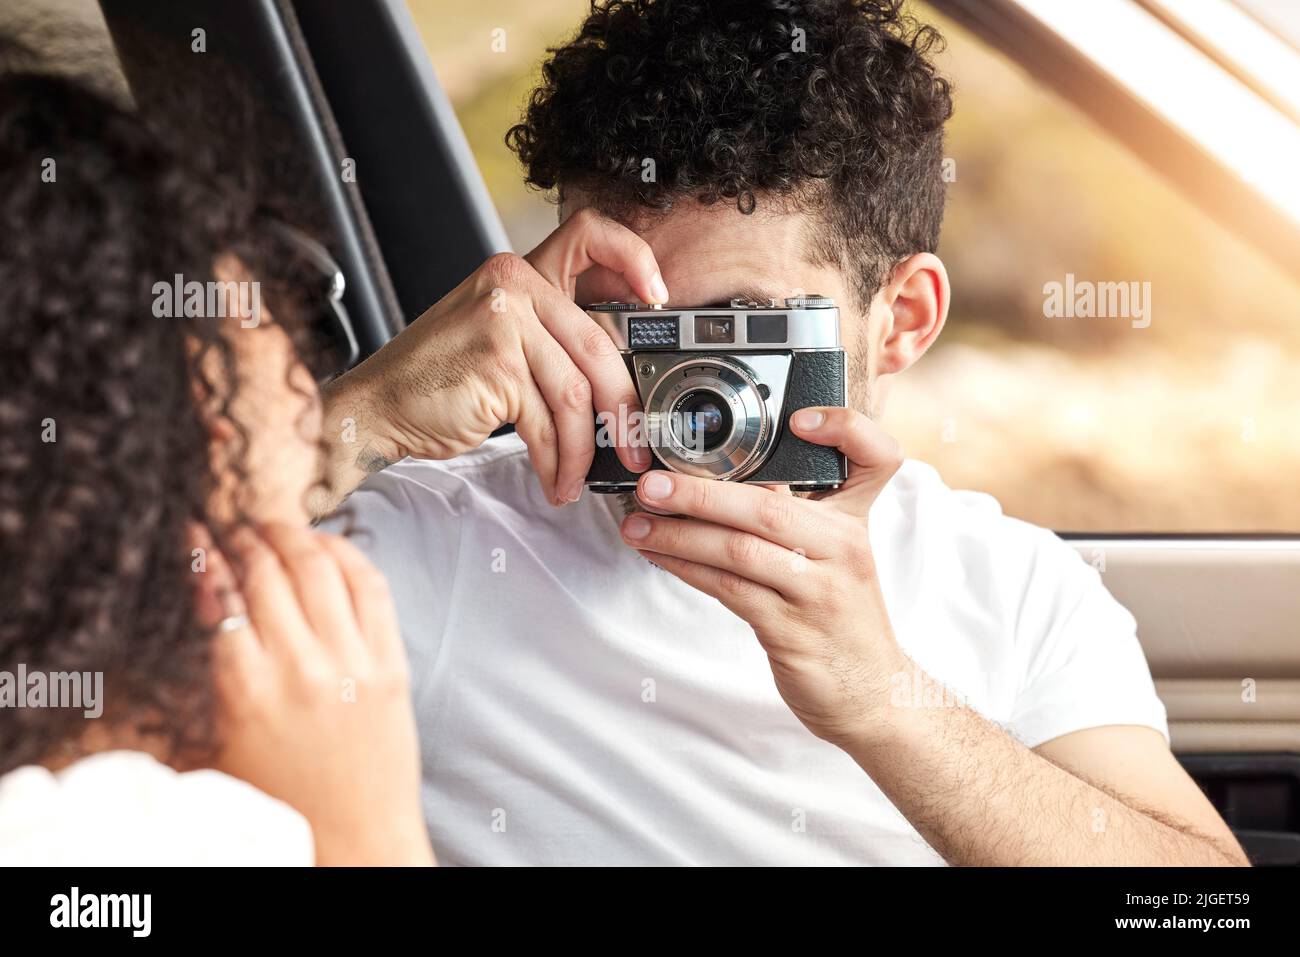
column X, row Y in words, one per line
column 126, row 809
column 577, row 705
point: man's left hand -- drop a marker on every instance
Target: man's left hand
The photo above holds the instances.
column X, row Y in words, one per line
column 798, row 570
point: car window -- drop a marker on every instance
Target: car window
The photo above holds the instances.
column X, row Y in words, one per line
column 1114, row 361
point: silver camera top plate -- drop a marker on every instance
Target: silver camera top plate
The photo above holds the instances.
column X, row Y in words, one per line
column 801, row 324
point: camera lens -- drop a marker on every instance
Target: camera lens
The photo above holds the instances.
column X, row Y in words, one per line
column 708, row 417
column 705, row 420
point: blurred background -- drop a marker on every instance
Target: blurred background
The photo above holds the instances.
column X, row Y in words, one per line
column 1191, row 424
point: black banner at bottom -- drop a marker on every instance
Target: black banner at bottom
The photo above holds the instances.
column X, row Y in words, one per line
column 334, row 906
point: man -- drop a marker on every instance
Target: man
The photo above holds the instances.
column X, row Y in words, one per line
column 890, row 673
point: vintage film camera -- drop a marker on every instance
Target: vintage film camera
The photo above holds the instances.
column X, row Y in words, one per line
column 718, row 386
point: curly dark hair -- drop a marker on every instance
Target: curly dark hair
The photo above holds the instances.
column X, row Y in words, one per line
column 832, row 105
column 95, row 525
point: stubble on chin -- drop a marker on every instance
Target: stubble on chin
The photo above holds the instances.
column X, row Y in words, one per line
column 627, row 504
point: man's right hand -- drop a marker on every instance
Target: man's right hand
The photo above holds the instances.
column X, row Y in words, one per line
column 506, row 345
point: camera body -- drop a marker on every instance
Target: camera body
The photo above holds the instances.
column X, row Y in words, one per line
column 719, row 384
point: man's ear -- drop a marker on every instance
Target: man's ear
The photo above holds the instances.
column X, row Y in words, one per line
column 916, row 297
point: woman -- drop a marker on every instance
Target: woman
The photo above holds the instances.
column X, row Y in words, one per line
column 153, row 473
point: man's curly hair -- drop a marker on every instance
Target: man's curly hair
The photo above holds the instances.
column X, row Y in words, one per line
column 104, row 445
column 832, row 105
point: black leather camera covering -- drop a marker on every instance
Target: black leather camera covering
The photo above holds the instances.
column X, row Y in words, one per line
column 816, row 378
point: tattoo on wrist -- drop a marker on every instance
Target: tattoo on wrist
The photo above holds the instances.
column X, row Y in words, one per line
column 370, row 461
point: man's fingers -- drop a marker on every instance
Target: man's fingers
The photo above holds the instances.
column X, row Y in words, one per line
column 568, row 395
column 744, row 598
column 594, row 353
column 874, row 455
column 786, row 520
column 536, row 427
column 588, row 239
column 704, row 543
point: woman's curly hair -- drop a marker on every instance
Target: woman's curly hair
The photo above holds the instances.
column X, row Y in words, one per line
column 832, row 105
column 104, row 449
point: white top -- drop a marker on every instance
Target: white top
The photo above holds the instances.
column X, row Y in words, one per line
column 578, row 705
column 124, row 808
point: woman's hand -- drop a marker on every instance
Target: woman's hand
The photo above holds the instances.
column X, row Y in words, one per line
column 314, row 694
